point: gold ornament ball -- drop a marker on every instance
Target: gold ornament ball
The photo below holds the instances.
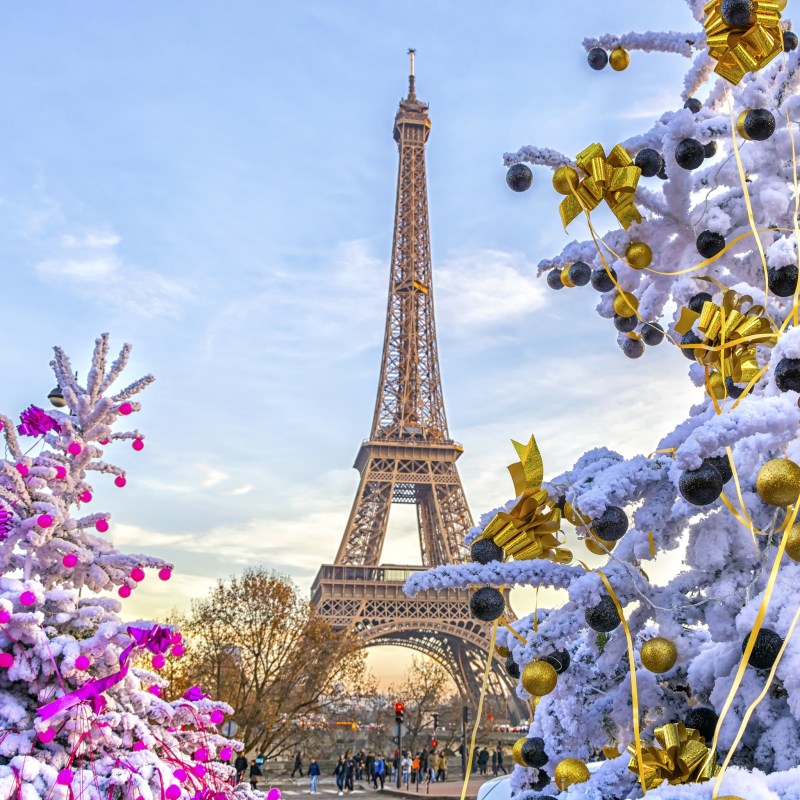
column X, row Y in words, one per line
column 569, row 771
column 793, row 542
column 778, row 482
column 740, row 124
column 619, row 59
column 539, row 678
column 659, row 654
column 503, row 652
column 626, row 304
column 565, row 278
column 781, row 7
column 638, row 255
column 516, row 752
column 564, row 178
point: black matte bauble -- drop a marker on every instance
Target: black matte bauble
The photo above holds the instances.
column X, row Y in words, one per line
column 558, row 660
column 533, row 753
column 512, row 668
column 485, row 550
column 580, row 273
column 787, row 375
column 700, row 486
column 689, row 154
column 696, row 301
column 710, row 149
column 765, row 650
column 625, row 324
column 597, row 58
column 703, row 720
column 633, row 348
column 603, row 617
column 737, row 13
column 649, row 162
column 722, row 465
column 693, row 104
column 782, row 281
column 611, row 525
column 663, row 174
column 519, row 178
column 601, row 280
column 789, row 41
column 710, row 243
column 652, row 334
column 732, row 389
column 541, row 781
column 759, row 124
column 690, row 337
column 554, row 279
column 487, row 604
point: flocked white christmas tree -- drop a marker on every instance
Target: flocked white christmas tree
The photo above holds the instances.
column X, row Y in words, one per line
column 704, row 260
column 77, row 719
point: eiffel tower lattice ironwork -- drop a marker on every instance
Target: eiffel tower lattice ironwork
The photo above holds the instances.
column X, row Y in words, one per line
column 410, row 458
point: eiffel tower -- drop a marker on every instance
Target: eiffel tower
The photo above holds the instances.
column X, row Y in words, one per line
column 410, row 458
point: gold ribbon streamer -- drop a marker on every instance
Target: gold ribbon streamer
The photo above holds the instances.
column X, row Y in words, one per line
column 742, row 49
column 612, row 179
column 681, row 756
column 516, row 634
column 528, row 530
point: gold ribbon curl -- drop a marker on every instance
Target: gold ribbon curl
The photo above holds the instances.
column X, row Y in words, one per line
column 746, row 48
column 612, row 179
column 680, row 756
column 528, row 530
column 732, row 332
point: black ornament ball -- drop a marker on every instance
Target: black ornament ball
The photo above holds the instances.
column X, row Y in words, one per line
column 625, row 324
column 789, row 41
column 558, row 660
column 603, row 617
column 597, row 58
column 737, row 13
column 633, row 348
column 487, row 604
column 696, row 301
column 601, row 280
column 700, row 486
column 485, row 550
column 541, row 781
column 519, row 178
column 611, row 525
column 693, row 104
column 733, row 390
column 652, row 334
column 710, row 243
column 703, row 720
column 663, row 174
column 689, row 154
column 782, row 281
column 722, row 465
column 759, row 124
column 512, row 668
column 649, row 162
column 787, row 375
column 554, row 279
column 690, row 337
column 533, row 753
column 765, row 650
column 710, row 149
column 560, row 503
column 580, row 273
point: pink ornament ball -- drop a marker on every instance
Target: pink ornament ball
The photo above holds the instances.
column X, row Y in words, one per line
column 74, row 448
column 274, row 794
column 101, row 525
column 64, row 777
column 173, row 792
column 124, row 590
column 69, row 560
column 201, row 754
column 139, row 746
column 180, row 775
column 138, row 444
column 22, row 469
column 156, row 690
column 177, row 651
column 27, row 598
column 137, row 574
column 61, row 473
column 198, row 770
column 226, row 753
column 165, row 573
column 82, row 662
column 85, row 497
column 158, row 662
column 120, row 481
column 220, row 796
column 47, row 735
column 5, row 616
column 125, row 409
column 44, row 520
column 6, row 660
column 104, row 441
column 217, row 716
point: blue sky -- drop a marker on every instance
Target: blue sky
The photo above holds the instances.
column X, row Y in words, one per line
column 214, row 183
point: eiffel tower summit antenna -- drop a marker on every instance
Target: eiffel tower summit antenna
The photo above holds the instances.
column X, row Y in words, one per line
column 410, row 458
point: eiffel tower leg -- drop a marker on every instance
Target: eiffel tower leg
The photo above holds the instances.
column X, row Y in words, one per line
column 366, row 528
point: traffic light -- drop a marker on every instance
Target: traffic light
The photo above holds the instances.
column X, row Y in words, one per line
column 433, row 744
column 399, row 709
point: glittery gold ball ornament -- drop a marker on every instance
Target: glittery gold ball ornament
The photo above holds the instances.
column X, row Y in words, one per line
column 619, row 59
column 564, row 178
column 658, row 654
column 781, row 7
column 539, row 678
column 626, row 304
column 516, row 752
column 793, row 542
column 778, row 482
column 638, row 255
column 503, row 652
column 569, row 771
column 565, row 277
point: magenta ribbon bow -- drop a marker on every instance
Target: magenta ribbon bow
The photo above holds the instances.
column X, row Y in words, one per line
column 36, row 422
column 157, row 640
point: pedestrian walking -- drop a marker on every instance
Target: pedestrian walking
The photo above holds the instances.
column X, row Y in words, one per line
column 405, row 766
column 298, row 765
column 379, row 769
column 494, row 763
column 338, row 773
column 240, row 765
column 313, row 774
column 349, row 772
column 255, row 774
column 483, row 761
column 500, row 759
column 441, row 775
column 434, row 765
column 415, row 766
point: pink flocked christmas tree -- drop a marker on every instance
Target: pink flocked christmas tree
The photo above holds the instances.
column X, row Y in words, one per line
column 77, row 718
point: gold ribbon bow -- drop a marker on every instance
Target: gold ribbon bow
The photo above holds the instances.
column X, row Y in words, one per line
column 612, row 179
column 528, row 530
column 681, row 756
column 730, row 323
column 747, row 48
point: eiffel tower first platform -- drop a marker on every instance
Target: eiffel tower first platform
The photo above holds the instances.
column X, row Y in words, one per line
column 410, row 458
